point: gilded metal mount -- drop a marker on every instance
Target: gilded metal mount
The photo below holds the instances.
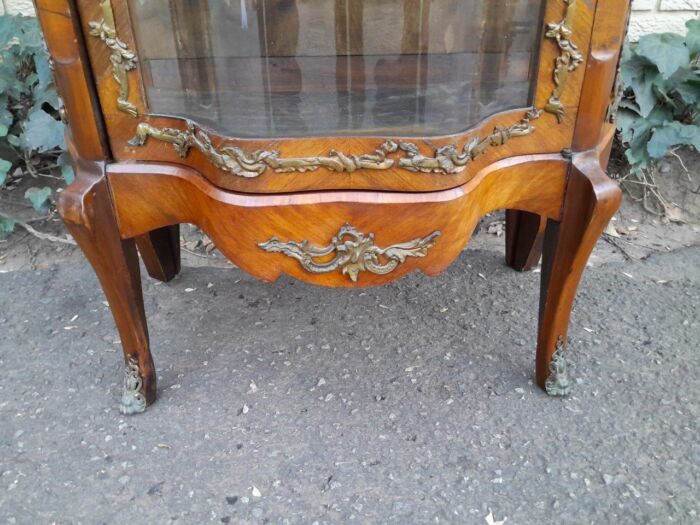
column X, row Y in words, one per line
column 568, row 61
column 446, row 160
column 353, row 252
column 123, row 60
column 558, row 382
column 233, row 159
column 133, row 399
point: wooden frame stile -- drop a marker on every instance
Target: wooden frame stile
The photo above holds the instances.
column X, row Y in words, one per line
column 546, row 166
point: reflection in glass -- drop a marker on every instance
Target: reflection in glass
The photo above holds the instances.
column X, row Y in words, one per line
column 284, row 68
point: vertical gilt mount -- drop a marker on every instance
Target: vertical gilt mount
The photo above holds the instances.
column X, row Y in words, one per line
column 123, row 60
column 568, row 61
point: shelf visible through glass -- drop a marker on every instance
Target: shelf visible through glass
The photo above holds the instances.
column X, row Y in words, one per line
column 291, row 68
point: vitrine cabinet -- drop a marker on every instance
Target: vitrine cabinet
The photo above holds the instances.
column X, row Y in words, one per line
column 345, row 143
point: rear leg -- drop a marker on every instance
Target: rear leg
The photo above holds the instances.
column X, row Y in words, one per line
column 160, row 251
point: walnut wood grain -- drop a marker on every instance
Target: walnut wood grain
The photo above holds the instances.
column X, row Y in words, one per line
column 64, row 39
column 86, row 208
column 590, row 202
column 606, row 45
column 160, row 251
column 151, row 196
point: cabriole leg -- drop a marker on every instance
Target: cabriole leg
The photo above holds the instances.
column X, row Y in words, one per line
column 590, row 202
column 524, row 237
column 86, row 208
column 160, row 251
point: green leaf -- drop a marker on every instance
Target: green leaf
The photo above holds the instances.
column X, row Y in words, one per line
column 640, row 74
column 688, row 87
column 640, row 133
column 40, row 198
column 43, row 70
column 31, row 79
column 42, row 132
column 627, row 121
column 659, row 116
column 5, row 167
column 64, row 162
column 692, row 39
column 15, row 141
column 45, row 96
column 673, row 134
column 663, row 90
column 7, row 225
column 667, row 51
column 6, row 117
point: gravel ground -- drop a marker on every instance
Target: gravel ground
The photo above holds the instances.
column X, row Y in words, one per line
column 411, row 403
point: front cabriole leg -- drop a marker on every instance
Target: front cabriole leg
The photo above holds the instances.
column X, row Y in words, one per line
column 590, row 201
column 87, row 209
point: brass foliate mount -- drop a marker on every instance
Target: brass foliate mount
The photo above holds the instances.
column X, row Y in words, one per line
column 133, row 399
column 123, row 60
column 558, row 383
column 568, row 61
column 232, row 159
column 446, row 160
column 353, row 252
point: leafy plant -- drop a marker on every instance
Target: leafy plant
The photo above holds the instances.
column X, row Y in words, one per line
column 661, row 107
column 31, row 133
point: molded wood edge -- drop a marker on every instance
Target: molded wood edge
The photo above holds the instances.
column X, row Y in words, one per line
column 150, row 196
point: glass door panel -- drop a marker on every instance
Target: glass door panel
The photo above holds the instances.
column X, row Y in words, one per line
column 290, row 68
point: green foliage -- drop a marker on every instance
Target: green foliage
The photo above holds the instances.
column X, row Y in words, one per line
column 5, row 166
column 40, row 198
column 30, row 128
column 661, row 108
column 6, row 225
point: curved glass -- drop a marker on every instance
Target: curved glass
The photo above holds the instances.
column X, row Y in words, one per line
column 290, row 68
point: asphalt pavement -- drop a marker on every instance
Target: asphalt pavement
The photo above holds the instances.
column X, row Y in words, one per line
column 409, row 403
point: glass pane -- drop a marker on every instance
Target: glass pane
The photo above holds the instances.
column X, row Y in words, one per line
column 284, row 68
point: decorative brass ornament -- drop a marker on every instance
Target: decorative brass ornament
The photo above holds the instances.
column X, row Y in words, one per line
column 233, row 159
column 558, row 383
column 569, row 58
column 354, row 253
column 122, row 59
column 447, row 160
column 133, row 400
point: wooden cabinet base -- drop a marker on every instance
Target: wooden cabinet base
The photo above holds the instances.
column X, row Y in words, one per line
column 337, row 239
column 385, row 197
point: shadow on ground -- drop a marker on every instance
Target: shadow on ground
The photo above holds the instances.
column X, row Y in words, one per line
column 410, row 403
